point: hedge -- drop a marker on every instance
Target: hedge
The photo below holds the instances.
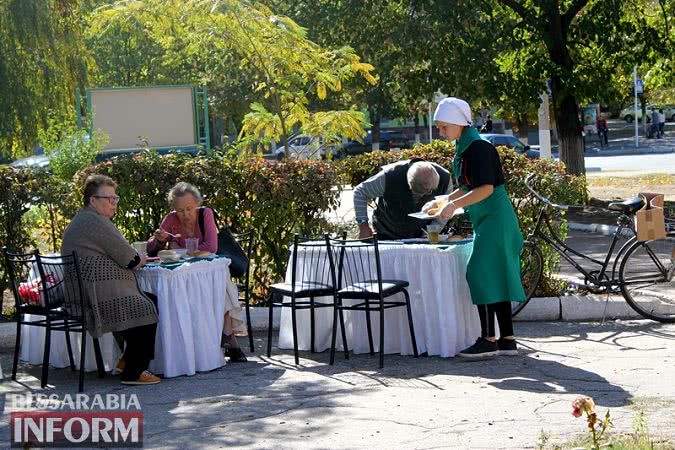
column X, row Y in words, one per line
column 273, row 199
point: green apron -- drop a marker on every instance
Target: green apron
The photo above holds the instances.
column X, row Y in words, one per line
column 493, row 272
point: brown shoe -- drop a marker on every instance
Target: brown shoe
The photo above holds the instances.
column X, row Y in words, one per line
column 146, row 378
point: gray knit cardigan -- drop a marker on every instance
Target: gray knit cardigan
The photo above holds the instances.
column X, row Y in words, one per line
column 114, row 301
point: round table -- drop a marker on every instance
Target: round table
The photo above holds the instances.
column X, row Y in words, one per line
column 192, row 300
column 444, row 318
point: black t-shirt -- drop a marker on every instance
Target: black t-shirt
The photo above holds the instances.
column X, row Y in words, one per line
column 479, row 165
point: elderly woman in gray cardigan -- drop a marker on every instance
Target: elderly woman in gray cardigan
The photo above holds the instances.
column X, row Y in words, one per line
column 115, row 302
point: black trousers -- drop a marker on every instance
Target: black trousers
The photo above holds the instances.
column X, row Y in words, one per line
column 487, row 315
column 139, row 347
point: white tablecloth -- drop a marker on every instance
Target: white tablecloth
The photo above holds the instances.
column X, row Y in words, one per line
column 444, row 318
column 192, row 300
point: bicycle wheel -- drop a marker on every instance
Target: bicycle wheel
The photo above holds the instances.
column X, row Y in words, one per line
column 646, row 279
column 531, row 269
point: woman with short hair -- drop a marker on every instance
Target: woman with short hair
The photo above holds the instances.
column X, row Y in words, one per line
column 107, row 260
column 183, row 222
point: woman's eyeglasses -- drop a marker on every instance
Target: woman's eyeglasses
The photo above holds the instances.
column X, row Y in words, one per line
column 114, row 199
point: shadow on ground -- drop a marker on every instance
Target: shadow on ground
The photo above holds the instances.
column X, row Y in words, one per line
column 258, row 397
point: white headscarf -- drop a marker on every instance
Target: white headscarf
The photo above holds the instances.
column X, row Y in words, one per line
column 453, row 110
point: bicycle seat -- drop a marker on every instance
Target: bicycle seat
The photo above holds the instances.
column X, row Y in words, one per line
column 629, row 206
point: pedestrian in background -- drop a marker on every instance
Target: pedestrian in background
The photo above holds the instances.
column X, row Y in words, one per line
column 654, row 128
column 602, row 129
column 662, row 123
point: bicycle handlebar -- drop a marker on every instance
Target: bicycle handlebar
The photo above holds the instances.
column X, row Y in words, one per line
column 569, row 208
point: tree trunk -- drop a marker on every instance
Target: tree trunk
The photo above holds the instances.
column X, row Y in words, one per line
column 570, row 140
column 523, row 126
column 416, row 121
column 643, row 108
column 375, row 128
column 565, row 105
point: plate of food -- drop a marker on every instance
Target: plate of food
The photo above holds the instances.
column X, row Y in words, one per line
column 199, row 254
column 433, row 213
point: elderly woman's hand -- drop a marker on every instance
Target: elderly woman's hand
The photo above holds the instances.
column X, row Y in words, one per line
column 161, row 235
column 144, row 259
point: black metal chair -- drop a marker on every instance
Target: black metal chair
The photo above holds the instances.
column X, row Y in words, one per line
column 49, row 288
column 310, row 278
column 358, row 276
column 243, row 284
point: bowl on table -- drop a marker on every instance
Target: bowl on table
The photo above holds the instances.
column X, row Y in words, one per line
column 181, row 252
column 168, row 256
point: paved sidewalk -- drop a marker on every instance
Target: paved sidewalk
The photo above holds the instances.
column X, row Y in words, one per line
column 425, row 403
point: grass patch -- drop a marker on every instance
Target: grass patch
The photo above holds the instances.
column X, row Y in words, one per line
column 632, row 441
column 647, row 179
column 639, row 439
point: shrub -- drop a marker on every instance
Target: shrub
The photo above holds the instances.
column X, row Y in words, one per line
column 69, row 147
column 17, row 189
column 551, row 182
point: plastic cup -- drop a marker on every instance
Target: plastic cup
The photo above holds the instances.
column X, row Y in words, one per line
column 433, row 233
column 141, row 247
column 192, row 245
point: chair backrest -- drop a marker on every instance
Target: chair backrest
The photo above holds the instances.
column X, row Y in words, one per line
column 310, row 262
column 245, row 240
column 62, row 283
column 355, row 261
column 24, row 278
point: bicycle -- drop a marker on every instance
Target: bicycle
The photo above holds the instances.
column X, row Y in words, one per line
column 642, row 271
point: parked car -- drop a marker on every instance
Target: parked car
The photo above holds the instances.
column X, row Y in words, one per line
column 40, row 161
column 389, row 140
column 305, row 147
column 510, row 142
column 628, row 113
column 669, row 111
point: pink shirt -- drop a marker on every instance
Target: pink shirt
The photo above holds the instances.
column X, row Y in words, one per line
column 207, row 242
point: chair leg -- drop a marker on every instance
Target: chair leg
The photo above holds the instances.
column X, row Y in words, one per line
column 410, row 323
column 343, row 330
column 99, row 359
column 269, row 326
column 69, row 346
column 369, row 326
column 334, row 332
column 381, row 332
column 247, row 302
column 45, row 357
column 295, row 332
column 312, row 324
column 83, row 354
column 17, row 346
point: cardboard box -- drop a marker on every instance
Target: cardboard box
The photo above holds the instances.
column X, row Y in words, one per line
column 650, row 221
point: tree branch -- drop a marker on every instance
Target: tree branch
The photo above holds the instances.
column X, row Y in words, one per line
column 662, row 4
column 572, row 12
column 517, row 8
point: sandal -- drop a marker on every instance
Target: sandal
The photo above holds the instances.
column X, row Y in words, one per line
column 235, row 355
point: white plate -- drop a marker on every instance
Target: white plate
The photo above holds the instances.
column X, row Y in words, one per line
column 425, row 216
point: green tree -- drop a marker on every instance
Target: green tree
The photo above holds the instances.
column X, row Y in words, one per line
column 577, row 44
column 41, row 63
column 127, row 52
column 390, row 34
column 285, row 68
